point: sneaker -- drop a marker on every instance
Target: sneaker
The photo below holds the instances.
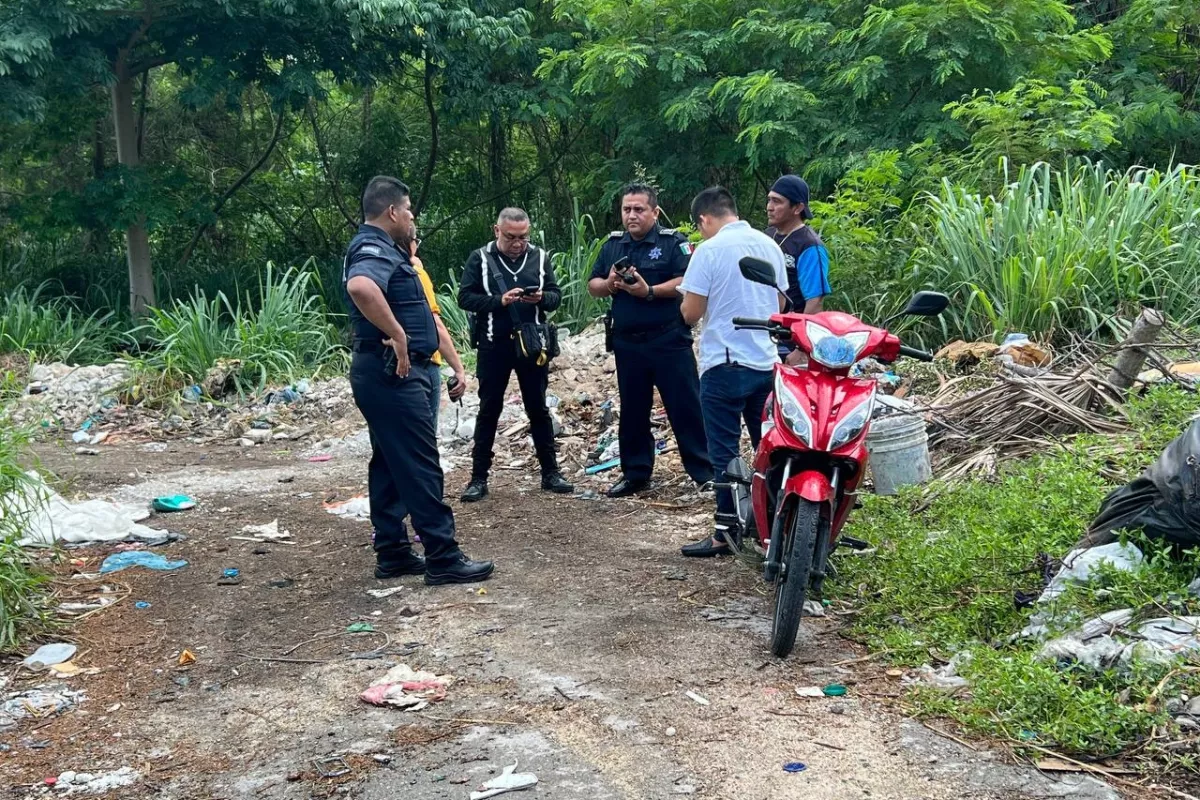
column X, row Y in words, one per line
column 464, row 570
column 396, row 565
column 476, row 490
column 555, row 482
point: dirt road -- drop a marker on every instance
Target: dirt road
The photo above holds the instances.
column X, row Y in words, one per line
column 576, row 663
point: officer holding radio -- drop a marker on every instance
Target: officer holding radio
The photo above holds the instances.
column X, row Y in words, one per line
column 640, row 269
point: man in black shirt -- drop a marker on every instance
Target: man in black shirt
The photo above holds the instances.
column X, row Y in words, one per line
column 506, row 283
column 651, row 342
column 394, row 337
column 803, row 251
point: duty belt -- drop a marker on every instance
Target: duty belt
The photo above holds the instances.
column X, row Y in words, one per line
column 643, row 336
column 377, row 347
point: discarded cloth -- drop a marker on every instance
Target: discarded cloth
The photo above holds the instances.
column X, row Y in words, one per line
column 1079, row 564
column 507, row 781
column 50, row 654
column 139, row 558
column 355, row 508
column 40, row 702
column 50, row 519
column 408, row 689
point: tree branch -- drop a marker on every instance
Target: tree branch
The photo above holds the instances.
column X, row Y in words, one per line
column 239, row 183
column 428, row 234
column 351, row 222
column 433, row 136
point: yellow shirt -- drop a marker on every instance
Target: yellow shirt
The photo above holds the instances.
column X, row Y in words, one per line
column 430, row 295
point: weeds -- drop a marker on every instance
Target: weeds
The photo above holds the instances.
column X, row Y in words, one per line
column 51, row 328
column 23, row 611
column 573, row 267
column 946, row 579
column 283, row 333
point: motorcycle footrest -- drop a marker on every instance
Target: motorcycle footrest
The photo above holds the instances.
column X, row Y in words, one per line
column 853, row 544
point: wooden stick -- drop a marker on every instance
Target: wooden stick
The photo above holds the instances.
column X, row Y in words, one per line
column 950, row 736
column 1087, row 767
column 870, row 657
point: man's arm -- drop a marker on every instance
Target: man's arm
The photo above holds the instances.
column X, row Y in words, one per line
column 446, row 348
column 693, row 308
column 812, row 273
column 368, row 298
column 471, row 294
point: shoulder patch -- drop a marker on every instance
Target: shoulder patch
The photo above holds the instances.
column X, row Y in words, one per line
column 371, row 249
column 668, row 232
column 616, row 234
column 686, row 248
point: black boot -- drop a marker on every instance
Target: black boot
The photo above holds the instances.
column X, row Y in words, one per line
column 464, row 570
column 394, row 565
column 476, row 490
column 626, row 487
column 553, row 481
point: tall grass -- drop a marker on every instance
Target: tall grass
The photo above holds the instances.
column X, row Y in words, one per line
column 1067, row 250
column 23, row 610
column 283, row 333
column 457, row 321
column 51, row 328
column 573, row 267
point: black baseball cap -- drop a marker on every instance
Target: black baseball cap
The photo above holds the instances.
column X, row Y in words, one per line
column 795, row 190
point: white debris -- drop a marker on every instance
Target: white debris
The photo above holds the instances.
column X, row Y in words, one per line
column 507, row 781
column 1079, row 564
column 358, row 508
column 40, row 702
column 50, row 654
column 702, row 701
column 86, row 783
column 382, row 593
column 267, row 533
column 50, row 519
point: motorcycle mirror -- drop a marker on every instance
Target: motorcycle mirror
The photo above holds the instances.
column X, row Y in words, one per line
column 758, row 271
column 926, row 304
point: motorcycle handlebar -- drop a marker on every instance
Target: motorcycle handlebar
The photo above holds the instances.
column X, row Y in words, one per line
column 912, row 352
column 748, row 322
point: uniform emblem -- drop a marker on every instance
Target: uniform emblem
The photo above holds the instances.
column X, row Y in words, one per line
column 656, row 253
column 371, row 249
column 686, row 248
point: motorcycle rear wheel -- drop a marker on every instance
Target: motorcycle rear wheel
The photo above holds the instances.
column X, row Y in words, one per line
column 796, row 567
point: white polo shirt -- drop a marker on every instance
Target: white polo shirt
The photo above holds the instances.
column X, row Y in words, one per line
column 713, row 273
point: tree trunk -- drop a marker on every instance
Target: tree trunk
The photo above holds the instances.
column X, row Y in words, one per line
column 137, row 243
column 1129, row 363
column 496, row 156
column 423, row 198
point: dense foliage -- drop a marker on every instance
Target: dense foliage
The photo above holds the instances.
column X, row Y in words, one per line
column 235, row 133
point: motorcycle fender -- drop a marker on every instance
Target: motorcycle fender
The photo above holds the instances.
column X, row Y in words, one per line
column 811, row 485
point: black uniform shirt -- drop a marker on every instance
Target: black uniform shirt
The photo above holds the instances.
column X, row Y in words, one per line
column 373, row 254
column 662, row 255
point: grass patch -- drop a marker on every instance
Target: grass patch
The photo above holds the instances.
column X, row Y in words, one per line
column 285, row 332
column 23, row 610
column 50, row 328
column 946, row 574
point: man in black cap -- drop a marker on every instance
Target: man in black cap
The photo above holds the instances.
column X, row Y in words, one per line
column 394, row 337
column 805, row 255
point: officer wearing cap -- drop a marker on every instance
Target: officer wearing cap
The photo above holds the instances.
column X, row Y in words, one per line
column 804, row 253
column 394, row 338
column 640, row 269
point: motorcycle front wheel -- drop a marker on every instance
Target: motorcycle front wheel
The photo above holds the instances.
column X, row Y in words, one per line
column 791, row 586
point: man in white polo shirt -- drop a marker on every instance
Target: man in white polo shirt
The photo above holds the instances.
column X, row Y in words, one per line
column 736, row 366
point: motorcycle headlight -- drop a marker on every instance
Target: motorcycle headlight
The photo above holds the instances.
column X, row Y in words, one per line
column 850, row 427
column 768, row 423
column 793, row 413
column 835, row 352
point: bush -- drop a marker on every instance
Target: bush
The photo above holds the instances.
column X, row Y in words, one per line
column 573, row 267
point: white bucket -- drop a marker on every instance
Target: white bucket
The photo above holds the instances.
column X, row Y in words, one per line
column 899, row 449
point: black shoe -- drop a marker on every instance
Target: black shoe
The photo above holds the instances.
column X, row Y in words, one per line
column 626, row 487
column 555, row 482
column 476, row 490
column 462, row 571
column 394, row 566
column 707, row 548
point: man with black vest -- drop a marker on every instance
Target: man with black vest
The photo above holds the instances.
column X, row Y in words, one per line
column 640, row 269
column 394, row 338
column 509, row 285
column 804, row 253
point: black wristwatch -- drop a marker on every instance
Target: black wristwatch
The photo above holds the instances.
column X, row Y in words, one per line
column 650, row 295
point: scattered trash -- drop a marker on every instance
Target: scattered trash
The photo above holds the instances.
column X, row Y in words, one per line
column 139, row 558
column 358, row 508
column 360, row 627
column 407, row 689
column 331, row 767
column 230, row 577
column 670, row 731
column 945, row 678
column 507, row 781
column 282, row 583
column 192, row 394
column 175, row 502
column 587, row 494
column 48, row 519
column 834, row 690
column 79, row 437
column 265, row 533
column 50, row 654
column 1079, row 564
column 40, row 702
column 86, row 451
column 698, row 698
column 809, row 691
column 88, row 783
column 232, row 572
column 382, row 593
column 68, row 669
column 321, row 459
column 186, row 658
column 794, row 766
column 813, row 608
column 141, row 604
column 603, row 466
column 895, row 673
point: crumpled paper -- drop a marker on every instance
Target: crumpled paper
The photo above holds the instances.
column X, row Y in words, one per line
column 406, row 688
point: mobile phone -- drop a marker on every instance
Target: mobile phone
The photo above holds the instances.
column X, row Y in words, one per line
column 530, row 291
column 622, row 266
column 389, row 362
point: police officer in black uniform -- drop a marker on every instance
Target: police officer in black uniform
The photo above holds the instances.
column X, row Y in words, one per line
column 393, row 332
column 640, row 269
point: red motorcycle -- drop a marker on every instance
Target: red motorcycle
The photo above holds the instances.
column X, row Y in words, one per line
column 812, row 455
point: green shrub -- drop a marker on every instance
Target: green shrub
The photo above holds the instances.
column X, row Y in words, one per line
column 23, row 607
column 50, row 328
